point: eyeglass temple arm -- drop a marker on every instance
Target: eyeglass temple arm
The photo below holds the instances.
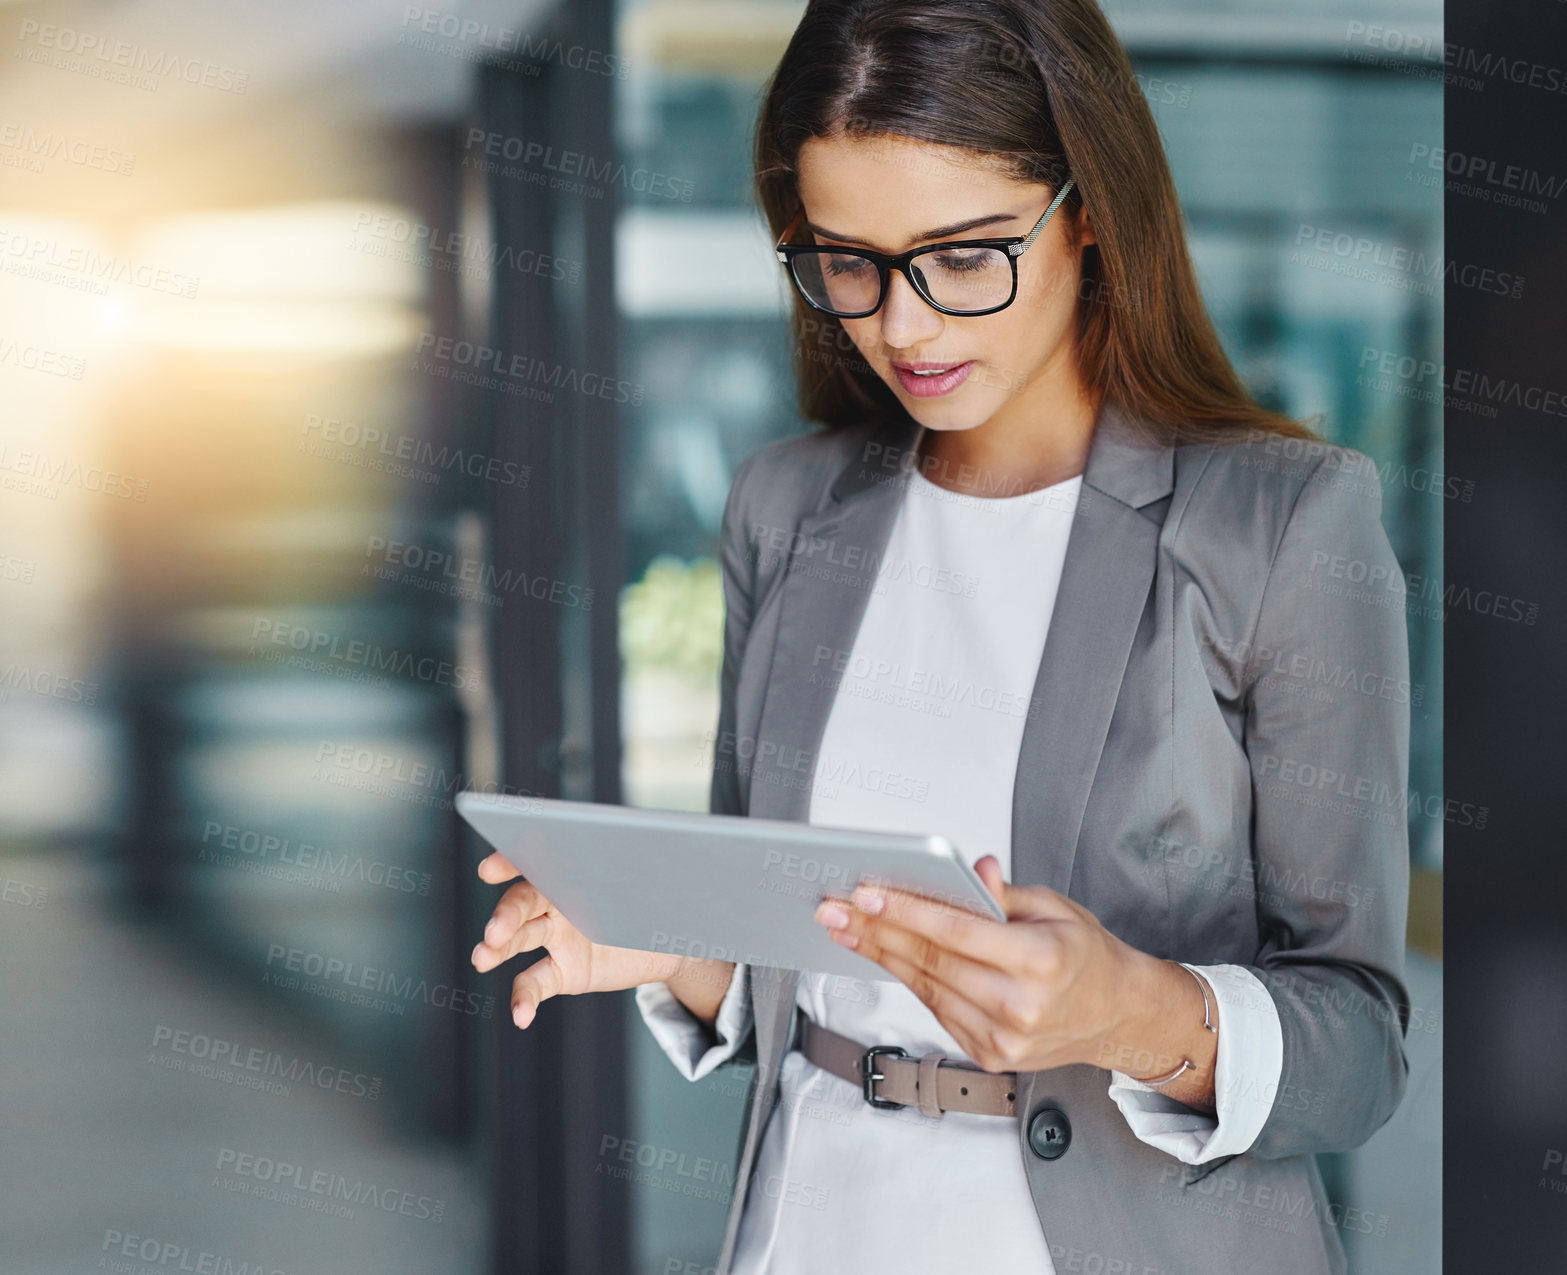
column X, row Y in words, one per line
column 1018, row 249
column 784, row 237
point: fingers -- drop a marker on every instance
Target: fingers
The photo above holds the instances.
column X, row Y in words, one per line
column 521, row 922
column 1019, row 902
column 927, row 967
column 496, row 869
column 540, row 931
column 519, row 905
column 980, row 937
column 960, row 997
column 532, row 987
column 511, row 928
column 997, row 965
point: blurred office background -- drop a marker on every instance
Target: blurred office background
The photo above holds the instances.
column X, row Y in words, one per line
column 346, row 462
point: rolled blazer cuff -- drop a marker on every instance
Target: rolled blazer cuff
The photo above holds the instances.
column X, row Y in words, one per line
column 1246, row 1077
column 684, row 1039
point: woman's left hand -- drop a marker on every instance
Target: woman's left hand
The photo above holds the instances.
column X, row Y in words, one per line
column 1047, row 987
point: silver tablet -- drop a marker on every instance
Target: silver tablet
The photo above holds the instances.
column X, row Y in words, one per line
column 723, row 887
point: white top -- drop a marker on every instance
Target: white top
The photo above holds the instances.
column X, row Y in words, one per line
column 923, row 736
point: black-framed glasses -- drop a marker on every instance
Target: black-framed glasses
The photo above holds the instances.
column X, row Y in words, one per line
column 961, row 277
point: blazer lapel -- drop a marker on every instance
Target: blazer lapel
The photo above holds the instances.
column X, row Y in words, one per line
column 825, row 593
column 1105, row 578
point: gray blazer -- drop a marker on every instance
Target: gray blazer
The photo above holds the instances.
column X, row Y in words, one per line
column 1214, row 763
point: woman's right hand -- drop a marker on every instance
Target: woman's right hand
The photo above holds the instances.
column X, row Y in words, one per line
column 524, row 919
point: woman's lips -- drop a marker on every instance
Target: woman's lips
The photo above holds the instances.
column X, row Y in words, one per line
column 935, row 383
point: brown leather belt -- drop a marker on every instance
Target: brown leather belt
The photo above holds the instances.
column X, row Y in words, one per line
column 890, row 1077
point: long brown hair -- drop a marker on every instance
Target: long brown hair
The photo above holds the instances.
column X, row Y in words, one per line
column 1045, row 89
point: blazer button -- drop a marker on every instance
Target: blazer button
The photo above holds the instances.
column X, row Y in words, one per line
column 1049, row 1133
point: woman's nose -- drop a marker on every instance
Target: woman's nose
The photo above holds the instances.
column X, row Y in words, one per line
column 906, row 319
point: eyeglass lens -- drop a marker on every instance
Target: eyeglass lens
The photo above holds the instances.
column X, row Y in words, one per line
column 956, row 278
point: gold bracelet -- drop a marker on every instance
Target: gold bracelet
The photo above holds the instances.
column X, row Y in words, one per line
column 1207, row 1021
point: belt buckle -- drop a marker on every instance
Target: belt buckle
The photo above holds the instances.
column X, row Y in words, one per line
column 869, row 1075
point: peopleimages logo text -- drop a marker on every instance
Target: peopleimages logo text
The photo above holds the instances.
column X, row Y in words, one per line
column 351, row 974
column 575, row 164
column 324, row 1182
column 521, row 367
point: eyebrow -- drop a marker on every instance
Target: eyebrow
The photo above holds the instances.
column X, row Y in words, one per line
column 940, row 232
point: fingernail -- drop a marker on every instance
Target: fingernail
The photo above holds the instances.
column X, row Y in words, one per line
column 832, row 915
column 516, row 1016
column 845, row 938
column 867, row 900
column 473, row 957
column 493, row 929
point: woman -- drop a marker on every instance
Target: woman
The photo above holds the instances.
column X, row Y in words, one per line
column 1191, row 815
